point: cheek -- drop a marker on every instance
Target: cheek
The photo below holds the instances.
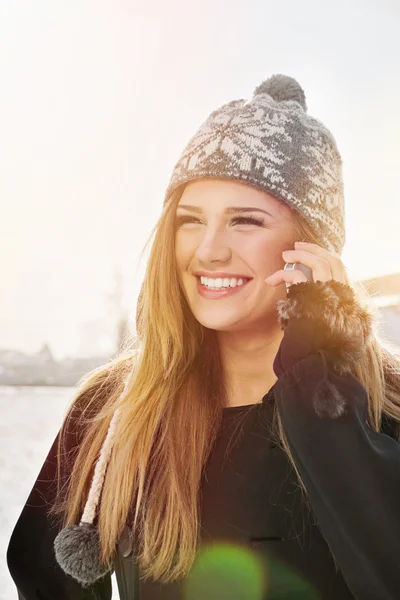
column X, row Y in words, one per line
column 266, row 256
column 182, row 254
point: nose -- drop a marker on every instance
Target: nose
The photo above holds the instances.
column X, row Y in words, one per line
column 213, row 247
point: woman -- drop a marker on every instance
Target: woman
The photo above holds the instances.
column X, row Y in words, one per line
column 247, row 447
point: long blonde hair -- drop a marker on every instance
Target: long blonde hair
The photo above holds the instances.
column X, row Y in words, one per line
column 170, row 419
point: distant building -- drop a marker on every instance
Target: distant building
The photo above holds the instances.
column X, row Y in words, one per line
column 18, row 368
column 29, row 369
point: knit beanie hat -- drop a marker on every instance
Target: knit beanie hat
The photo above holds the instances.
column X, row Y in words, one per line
column 269, row 142
column 272, row 143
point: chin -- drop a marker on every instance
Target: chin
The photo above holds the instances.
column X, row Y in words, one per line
column 218, row 324
column 218, row 318
column 222, row 319
column 260, row 316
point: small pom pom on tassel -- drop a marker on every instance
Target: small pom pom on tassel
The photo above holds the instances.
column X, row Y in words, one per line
column 77, row 550
column 77, row 547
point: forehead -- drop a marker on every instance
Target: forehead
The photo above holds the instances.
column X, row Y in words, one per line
column 213, row 193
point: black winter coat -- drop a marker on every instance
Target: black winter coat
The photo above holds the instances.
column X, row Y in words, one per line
column 352, row 476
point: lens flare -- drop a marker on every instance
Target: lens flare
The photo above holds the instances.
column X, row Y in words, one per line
column 227, row 571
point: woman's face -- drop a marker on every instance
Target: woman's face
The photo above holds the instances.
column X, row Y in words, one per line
column 212, row 236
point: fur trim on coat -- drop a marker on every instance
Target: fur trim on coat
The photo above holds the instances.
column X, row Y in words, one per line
column 330, row 318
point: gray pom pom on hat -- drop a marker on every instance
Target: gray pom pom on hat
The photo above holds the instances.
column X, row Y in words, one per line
column 272, row 143
column 282, row 88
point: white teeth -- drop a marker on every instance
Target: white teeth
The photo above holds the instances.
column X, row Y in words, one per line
column 218, row 283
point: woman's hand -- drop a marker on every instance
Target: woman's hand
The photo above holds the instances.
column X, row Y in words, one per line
column 325, row 265
column 323, row 315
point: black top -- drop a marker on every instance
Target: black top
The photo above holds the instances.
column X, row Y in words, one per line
column 249, row 494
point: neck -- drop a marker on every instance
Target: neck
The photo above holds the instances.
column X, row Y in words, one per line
column 247, row 359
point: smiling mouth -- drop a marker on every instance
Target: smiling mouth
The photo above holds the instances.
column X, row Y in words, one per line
column 219, row 292
column 237, row 282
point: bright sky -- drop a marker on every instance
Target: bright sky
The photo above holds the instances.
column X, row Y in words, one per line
column 98, row 100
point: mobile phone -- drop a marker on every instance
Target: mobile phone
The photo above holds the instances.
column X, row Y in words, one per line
column 299, row 267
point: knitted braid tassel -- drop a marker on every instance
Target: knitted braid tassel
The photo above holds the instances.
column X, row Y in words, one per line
column 77, row 547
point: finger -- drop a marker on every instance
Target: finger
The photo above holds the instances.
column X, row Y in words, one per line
column 337, row 267
column 321, row 269
column 283, row 276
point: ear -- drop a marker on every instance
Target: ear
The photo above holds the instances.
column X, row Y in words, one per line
column 340, row 325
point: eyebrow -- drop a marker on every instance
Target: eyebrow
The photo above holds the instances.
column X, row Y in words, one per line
column 230, row 210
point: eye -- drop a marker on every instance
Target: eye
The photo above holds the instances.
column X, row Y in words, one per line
column 249, row 220
column 184, row 219
column 180, row 220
